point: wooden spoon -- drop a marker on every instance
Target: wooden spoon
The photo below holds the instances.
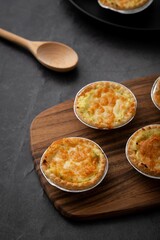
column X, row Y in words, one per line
column 53, row 55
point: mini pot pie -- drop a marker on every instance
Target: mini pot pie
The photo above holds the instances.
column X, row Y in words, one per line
column 124, row 4
column 155, row 93
column 105, row 105
column 74, row 164
column 143, row 150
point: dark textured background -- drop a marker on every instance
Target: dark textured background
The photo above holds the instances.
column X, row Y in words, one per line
column 27, row 88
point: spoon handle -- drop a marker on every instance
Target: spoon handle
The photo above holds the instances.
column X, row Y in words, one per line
column 14, row 38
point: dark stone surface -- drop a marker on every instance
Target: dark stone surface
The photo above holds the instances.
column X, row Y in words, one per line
column 27, row 88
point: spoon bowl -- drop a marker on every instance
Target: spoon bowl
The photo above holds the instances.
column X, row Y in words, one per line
column 56, row 54
column 53, row 55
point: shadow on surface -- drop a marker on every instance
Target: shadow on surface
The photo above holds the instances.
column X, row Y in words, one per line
column 146, row 213
column 48, row 74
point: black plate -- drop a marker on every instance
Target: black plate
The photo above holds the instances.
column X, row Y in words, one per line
column 148, row 19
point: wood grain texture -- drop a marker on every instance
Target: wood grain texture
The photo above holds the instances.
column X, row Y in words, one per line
column 123, row 190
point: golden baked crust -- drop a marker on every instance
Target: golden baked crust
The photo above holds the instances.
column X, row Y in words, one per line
column 143, row 150
column 74, row 163
column 105, row 105
column 123, row 4
column 156, row 93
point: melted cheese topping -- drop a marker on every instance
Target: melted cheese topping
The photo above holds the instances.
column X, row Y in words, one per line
column 74, row 163
column 144, row 149
column 105, row 105
column 156, row 95
column 123, row 4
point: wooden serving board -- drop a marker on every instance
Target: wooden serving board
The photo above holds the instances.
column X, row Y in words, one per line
column 123, row 190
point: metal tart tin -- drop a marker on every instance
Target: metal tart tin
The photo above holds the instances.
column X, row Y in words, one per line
column 79, row 190
column 153, row 92
column 105, row 128
column 126, row 152
column 127, row 11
